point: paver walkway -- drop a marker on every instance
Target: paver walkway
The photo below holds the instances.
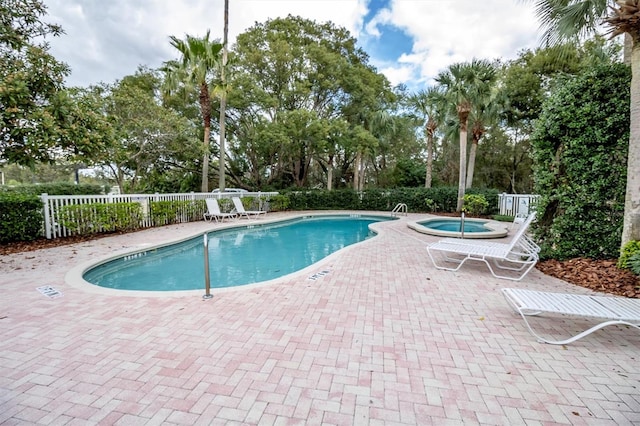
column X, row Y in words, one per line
column 382, row 338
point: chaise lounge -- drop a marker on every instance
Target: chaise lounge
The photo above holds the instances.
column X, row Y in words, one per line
column 611, row 310
column 237, row 203
column 214, row 212
column 510, row 261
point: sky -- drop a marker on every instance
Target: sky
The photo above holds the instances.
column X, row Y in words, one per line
column 409, row 41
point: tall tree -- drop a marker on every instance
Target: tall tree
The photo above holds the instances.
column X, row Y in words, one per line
column 148, row 136
column 39, row 119
column 430, row 106
column 223, row 99
column 464, row 83
column 485, row 111
column 197, row 67
column 566, row 19
column 293, row 80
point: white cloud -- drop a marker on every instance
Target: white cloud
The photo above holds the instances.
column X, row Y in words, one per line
column 105, row 41
column 446, row 32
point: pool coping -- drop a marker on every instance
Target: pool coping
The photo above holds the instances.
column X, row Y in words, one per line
column 74, row 277
column 498, row 229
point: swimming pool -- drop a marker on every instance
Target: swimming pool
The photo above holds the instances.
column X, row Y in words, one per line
column 237, row 256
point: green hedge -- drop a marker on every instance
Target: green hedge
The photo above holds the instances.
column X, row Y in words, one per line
column 439, row 199
column 61, row 188
column 20, row 217
column 94, row 218
column 580, row 149
column 168, row 212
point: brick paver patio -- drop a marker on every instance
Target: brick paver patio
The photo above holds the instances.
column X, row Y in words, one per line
column 382, row 338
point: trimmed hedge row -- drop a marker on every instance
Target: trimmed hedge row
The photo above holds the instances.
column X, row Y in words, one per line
column 440, row 199
column 60, row 188
column 20, row 217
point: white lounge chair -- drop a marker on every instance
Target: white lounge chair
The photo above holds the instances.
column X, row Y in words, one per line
column 612, row 310
column 518, row 257
column 214, row 213
column 525, row 242
column 237, row 203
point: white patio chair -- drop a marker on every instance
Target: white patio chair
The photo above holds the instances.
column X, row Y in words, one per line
column 517, row 257
column 612, row 310
column 214, row 213
column 239, row 207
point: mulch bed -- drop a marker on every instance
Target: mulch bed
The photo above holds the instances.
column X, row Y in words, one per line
column 597, row 275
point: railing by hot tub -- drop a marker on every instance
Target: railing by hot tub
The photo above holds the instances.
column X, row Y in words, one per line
column 516, row 204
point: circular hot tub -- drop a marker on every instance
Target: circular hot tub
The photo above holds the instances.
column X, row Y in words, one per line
column 450, row 227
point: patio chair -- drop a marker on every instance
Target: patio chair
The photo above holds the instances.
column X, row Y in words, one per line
column 610, row 309
column 525, row 242
column 213, row 211
column 516, row 258
column 239, row 207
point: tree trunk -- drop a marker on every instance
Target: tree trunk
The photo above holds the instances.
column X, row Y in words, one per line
column 205, row 160
column 223, row 99
column 631, row 228
column 472, row 163
column 627, row 49
column 428, row 178
column 463, row 114
column 356, row 171
column 330, row 173
column 205, row 110
column 222, row 171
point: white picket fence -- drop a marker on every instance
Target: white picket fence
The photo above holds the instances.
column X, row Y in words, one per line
column 185, row 212
column 514, row 204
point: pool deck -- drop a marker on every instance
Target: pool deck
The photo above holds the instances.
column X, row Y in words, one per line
column 371, row 335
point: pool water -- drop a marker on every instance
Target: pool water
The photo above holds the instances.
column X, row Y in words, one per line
column 453, row 225
column 238, row 256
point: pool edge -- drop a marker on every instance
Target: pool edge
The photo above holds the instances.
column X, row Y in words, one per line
column 497, row 230
column 74, row 276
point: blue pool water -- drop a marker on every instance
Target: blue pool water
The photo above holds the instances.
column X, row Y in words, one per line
column 453, row 225
column 238, row 256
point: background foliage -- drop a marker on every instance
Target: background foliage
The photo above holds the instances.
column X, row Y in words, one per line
column 580, row 154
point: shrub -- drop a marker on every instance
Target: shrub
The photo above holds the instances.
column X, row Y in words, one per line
column 57, row 188
column 430, row 205
column 503, row 218
column 93, row 218
column 579, row 147
column 20, row 217
column 634, row 263
column 475, row 204
column 168, row 212
column 629, row 249
column 278, row 203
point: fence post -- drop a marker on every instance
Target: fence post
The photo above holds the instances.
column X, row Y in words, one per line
column 207, row 280
column 47, row 217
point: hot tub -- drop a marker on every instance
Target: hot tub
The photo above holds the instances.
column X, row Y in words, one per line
column 450, row 227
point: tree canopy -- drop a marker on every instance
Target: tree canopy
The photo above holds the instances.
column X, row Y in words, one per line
column 39, row 120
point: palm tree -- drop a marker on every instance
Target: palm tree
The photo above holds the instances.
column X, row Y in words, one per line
column 566, row 19
column 485, row 112
column 200, row 59
column 223, row 97
column 430, row 105
column 463, row 83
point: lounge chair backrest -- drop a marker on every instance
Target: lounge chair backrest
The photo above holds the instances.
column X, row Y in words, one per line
column 237, row 203
column 521, row 231
column 213, row 206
